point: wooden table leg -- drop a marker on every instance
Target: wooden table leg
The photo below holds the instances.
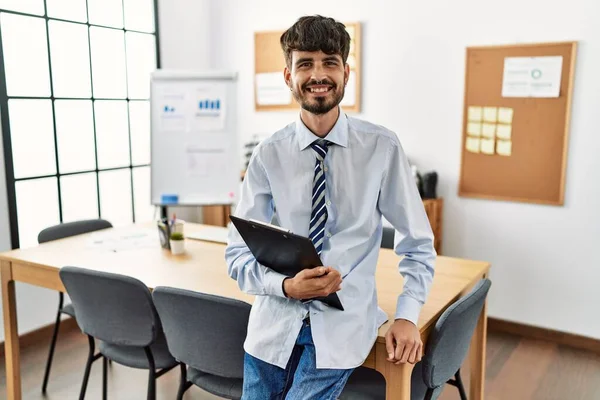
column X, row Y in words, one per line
column 397, row 377
column 11, row 333
column 478, row 345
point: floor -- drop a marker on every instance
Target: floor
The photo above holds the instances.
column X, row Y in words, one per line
column 517, row 369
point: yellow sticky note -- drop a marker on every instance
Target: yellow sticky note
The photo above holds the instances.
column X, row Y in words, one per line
column 505, row 115
column 490, row 114
column 474, row 128
column 487, row 146
column 488, row 130
column 504, row 147
column 472, row 145
column 503, row 131
column 475, row 113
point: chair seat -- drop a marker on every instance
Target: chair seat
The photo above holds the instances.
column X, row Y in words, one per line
column 368, row 384
column 135, row 357
column 69, row 310
column 229, row 388
column 364, row 384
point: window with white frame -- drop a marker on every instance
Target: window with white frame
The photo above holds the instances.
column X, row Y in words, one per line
column 74, row 102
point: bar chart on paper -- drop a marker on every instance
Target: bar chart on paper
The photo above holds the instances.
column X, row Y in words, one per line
column 210, row 105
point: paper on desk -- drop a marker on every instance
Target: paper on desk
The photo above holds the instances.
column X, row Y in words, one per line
column 139, row 239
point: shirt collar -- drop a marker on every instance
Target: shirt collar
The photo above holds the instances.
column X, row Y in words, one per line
column 338, row 134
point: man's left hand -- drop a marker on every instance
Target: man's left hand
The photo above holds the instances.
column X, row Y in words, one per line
column 403, row 343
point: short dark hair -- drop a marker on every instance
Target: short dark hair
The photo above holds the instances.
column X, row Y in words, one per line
column 314, row 33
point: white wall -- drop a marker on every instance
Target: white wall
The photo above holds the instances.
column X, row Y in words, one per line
column 545, row 269
column 184, row 28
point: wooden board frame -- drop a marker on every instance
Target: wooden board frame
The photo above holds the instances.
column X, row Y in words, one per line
column 535, row 172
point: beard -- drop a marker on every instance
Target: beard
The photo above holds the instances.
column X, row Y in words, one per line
column 319, row 105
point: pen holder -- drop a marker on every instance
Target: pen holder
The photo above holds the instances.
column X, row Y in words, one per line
column 165, row 228
column 164, row 234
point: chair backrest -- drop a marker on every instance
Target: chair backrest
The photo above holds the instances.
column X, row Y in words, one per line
column 204, row 331
column 67, row 229
column 449, row 342
column 387, row 238
column 114, row 308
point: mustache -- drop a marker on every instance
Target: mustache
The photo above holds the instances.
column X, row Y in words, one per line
column 322, row 82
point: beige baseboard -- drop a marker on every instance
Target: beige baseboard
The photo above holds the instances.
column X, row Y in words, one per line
column 43, row 334
column 534, row 332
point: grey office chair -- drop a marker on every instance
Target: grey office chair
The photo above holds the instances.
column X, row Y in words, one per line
column 56, row 232
column 207, row 333
column 387, row 239
column 445, row 352
column 118, row 310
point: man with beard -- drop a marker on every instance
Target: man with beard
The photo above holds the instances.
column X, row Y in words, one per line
column 331, row 178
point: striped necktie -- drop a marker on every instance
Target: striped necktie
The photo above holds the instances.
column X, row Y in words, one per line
column 318, row 215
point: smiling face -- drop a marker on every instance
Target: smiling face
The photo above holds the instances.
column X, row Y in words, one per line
column 317, row 80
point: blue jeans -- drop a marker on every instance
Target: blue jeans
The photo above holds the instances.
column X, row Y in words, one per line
column 300, row 380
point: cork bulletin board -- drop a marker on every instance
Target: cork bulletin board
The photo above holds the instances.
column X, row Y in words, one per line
column 515, row 136
column 270, row 91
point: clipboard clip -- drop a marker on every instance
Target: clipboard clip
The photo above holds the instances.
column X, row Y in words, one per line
column 270, row 225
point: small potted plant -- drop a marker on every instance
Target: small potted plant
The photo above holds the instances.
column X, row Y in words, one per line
column 177, row 243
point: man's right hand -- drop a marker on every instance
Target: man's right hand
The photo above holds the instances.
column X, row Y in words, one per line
column 314, row 282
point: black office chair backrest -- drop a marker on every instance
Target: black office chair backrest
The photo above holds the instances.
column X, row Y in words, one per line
column 114, row 308
column 387, row 238
column 67, row 229
column 450, row 339
column 204, row 331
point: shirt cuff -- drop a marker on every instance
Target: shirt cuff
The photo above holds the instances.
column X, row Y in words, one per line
column 273, row 282
column 408, row 309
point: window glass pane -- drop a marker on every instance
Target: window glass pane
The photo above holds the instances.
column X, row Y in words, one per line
column 141, row 61
column 73, row 10
column 75, row 135
column 70, row 57
column 139, row 123
column 144, row 211
column 108, row 63
column 106, row 12
column 112, row 133
column 37, row 208
column 139, row 15
column 115, row 196
column 32, row 137
column 25, row 55
column 79, row 196
column 25, row 6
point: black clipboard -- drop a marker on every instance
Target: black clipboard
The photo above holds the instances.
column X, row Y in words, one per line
column 281, row 250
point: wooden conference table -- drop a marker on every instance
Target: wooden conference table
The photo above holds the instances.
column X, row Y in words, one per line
column 202, row 268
